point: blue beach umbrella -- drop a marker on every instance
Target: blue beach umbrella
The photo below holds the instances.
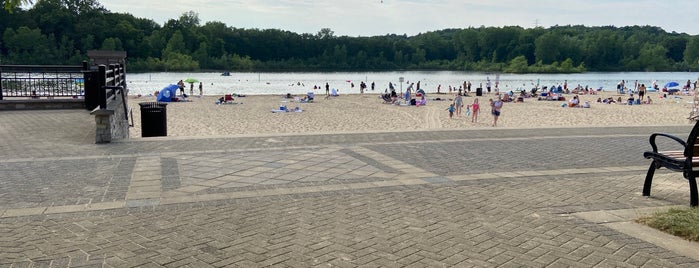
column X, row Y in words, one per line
column 672, row 84
column 167, row 93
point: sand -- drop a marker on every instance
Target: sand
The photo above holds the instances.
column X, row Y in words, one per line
column 252, row 115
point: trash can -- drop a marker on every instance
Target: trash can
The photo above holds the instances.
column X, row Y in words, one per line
column 153, row 119
column 479, row 91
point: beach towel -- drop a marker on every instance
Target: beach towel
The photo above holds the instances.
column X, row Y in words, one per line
column 288, row 111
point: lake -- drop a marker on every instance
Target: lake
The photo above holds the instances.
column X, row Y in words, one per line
column 266, row 83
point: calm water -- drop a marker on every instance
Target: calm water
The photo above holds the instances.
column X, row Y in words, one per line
column 298, row 83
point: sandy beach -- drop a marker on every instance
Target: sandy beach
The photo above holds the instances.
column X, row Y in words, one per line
column 201, row 117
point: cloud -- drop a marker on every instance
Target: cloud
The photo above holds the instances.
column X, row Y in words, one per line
column 376, row 17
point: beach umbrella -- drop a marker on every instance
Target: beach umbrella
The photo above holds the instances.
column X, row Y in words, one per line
column 191, row 80
column 672, row 84
column 167, row 93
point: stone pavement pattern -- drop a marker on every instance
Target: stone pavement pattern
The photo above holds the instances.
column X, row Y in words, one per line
column 480, row 198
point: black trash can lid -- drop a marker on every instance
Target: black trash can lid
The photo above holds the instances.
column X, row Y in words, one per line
column 152, row 104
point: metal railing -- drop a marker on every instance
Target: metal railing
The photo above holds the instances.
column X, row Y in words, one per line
column 41, row 81
column 107, row 82
column 96, row 85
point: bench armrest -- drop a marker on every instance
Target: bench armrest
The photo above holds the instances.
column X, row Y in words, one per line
column 654, row 135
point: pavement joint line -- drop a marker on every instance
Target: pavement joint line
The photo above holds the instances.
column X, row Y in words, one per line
column 298, row 135
column 18, row 212
column 537, row 173
column 500, row 139
column 629, row 168
column 282, row 147
column 152, row 199
column 623, row 221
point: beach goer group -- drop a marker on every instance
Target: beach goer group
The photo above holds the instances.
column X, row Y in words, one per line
column 472, row 109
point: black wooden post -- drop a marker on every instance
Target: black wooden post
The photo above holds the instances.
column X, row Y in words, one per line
column 91, row 87
column 101, row 83
column 1, row 91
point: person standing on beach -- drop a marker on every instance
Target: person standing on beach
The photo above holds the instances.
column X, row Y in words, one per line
column 201, row 89
column 372, row 85
column 641, row 91
column 458, row 103
column 469, row 87
column 191, row 89
column 451, row 110
column 496, row 108
column 487, row 84
column 408, row 93
column 327, row 89
column 475, row 109
column 180, row 84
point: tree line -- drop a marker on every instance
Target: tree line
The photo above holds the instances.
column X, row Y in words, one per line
column 62, row 31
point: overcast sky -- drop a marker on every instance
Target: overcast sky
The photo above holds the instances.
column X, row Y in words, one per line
column 377, row 17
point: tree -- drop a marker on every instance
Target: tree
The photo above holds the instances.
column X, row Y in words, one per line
column 691, row 52
column 12, row 4
column 111, row 44
column 175, row 44
column 675, row 46
column 652, row 58
column 61, row 31
column 28, row 46
column 547, row 48
column 325, row 33
column 517, row 65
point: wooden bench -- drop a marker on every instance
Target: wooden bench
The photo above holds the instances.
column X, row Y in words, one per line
column 682, row 161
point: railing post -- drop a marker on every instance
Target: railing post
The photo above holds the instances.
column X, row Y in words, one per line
column 1, row 90
column 91, row 87
column 102, row 82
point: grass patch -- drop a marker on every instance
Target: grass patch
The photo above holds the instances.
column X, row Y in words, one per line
column 682, row 222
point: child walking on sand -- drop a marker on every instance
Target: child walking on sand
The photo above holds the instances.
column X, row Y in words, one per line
column 476, row 109
column 451, row 110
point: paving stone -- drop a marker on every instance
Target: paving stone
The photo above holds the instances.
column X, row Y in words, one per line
column 468, row 198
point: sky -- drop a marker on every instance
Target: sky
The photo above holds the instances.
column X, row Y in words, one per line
column 411, row 17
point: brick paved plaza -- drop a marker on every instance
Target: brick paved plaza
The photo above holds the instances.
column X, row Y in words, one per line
column 460, row 198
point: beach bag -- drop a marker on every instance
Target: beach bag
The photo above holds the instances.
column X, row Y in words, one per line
column 412, row 102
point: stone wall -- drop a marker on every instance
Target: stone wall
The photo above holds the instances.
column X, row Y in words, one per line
column 111, row 123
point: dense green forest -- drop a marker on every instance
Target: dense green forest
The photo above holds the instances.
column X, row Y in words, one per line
column 62, row 31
